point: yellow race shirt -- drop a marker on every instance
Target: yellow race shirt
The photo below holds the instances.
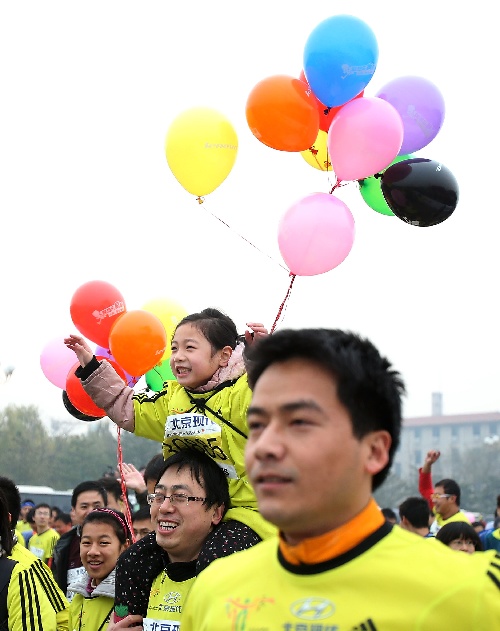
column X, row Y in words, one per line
column 382, row 584
column 166, row 602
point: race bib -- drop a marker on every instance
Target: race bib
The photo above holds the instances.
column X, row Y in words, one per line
column 150, row 624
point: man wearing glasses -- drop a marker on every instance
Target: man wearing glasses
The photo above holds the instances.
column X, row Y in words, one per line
column 443, row 498
column 189, row 501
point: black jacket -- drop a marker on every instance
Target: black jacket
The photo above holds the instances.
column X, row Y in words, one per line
column 60, row 560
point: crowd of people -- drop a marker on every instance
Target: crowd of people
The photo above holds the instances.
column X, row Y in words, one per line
column 259, row 510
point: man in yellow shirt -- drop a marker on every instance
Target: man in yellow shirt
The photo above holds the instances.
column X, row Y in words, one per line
column 43, row 541
column 324, row 423
column 443, row 497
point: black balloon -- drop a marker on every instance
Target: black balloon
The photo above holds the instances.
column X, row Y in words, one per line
column 75, row 412
column 420, row 191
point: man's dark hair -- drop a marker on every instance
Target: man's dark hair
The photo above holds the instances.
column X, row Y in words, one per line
column 42, row 505
column 450, row 488
column 205, row 471
column 416, row 510
column 367, row 385
column 88, row 485
column 112, row 486
column 6, row 535
column 30, row 516
column 389, row 514
column 153, row 467
column 12, row 497
column 64, row 517
column 141, row 513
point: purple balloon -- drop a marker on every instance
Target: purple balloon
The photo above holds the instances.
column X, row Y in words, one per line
column 421, row 107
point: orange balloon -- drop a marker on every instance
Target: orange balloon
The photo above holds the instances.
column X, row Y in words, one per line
column 137, row 341
column 281, row 112
column 77, row 395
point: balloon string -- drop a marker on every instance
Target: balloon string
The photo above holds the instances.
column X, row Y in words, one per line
column 336, row 185
column 244, row 238
column 326, row 166
column 283, row 303
column 128, row 515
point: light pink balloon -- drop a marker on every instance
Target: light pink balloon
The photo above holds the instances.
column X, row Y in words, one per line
column 365, row 136
column 315, row 234
column 56, row 359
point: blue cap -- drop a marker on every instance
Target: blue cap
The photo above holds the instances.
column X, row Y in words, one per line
column 28, row 503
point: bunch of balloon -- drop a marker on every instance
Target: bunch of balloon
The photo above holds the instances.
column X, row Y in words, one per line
column 420, row 191
column 170, row 313
column 281, row 113
column 55, row 361
column 95, row 307
column 157, row 376
column 371, row 190
column 201, row 147
column 137, row 341
column 421, row 107
column 316, row 234
column 77, row 395
column 340, row 57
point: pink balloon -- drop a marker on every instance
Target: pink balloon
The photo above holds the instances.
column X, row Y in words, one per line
column 365, row 136
column 316, row 234
column 55, row 360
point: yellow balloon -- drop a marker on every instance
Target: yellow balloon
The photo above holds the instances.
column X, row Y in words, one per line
column 201, row 147
column 170, row 313
column 317, row 155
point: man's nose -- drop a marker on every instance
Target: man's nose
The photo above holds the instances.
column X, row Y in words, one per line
column 270, row 442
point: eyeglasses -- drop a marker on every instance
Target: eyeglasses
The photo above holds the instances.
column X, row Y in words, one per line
column 440, row 496
column 174, row 498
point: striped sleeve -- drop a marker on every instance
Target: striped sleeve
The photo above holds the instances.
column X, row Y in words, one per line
column 494, row 571
column 28, row 605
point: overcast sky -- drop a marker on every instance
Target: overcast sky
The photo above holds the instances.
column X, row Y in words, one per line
column 89, row 90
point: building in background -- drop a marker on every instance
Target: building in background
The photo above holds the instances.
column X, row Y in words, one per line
column 453, row 435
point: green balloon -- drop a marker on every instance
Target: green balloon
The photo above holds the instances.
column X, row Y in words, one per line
column 371, row 190
column 156, row 377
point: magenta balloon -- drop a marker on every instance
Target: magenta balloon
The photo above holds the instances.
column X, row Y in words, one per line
column 421, row 107
column 315, row 234
column 365, row 136
column 55, row 360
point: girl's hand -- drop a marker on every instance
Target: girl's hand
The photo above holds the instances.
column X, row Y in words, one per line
column 133, row 478
column 80, row 347
column 258, row 331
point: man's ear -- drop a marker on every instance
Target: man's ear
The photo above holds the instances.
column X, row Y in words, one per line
column 225, row 355
column 378, row 444
column 217, row 514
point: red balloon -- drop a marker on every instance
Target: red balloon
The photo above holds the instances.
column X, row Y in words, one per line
column 137, row 341
column 95, row 307
column 326, row 114
column 77, row 395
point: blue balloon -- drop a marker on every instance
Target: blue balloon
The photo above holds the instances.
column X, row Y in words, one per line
column 340, row 57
